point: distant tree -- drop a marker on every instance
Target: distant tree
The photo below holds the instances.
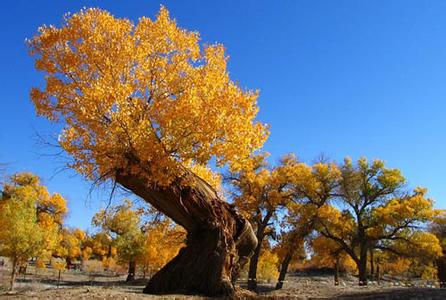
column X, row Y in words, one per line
column 327, row 253
column 379, row 214
column 21, row 236
column 51, row 209
column 70, row 245
column 123, row 224
column 261, row 193
column 312, row 187
column 49, row 212
column 162, row 242
column 438, row 228
column 141, row 104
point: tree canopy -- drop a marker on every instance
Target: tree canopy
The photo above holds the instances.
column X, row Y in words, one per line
column 146, row 92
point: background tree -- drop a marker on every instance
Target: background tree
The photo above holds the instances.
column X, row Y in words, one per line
column 124, row 226
column 327, row 253
column 312, row 187
column 438, row 228
column 379, row 212
column 290, row 249
column 260, row 194
column 140, row 105
column 163, row 240
column 50, row 208
column 21, row 236
column 70, row 245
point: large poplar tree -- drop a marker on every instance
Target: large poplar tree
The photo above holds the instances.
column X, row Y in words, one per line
column 146, row 106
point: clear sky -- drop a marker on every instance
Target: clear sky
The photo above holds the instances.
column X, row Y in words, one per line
column 356, row 78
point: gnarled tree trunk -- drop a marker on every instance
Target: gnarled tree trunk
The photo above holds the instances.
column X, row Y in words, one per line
column 219, row 240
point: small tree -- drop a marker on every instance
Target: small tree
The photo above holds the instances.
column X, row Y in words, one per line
column 50, row 209
column 327, row 253
column 21, row 237
column 59, row 265
column 123, row 224
column 70, row 245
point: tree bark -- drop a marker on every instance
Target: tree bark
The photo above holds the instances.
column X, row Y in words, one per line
column 219, row 240
column 58, row 278
column 252, row 273
column 362, row 266
column 284, row 268
column 378, row 275
column 372, row 268
column 69, row 263
column 336, row 274
column 441, row 271
column 132, row 271
column 13, row 274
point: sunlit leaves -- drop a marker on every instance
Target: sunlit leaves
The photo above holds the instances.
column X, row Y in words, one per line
column 145, row 93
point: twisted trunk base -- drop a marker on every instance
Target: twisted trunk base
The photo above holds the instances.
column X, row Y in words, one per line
column 219, row 240
column 199, row 267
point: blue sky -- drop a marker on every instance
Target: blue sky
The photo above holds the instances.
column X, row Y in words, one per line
column 356, row 78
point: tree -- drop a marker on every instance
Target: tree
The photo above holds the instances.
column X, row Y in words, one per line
column 327, row 253
column 123, row 225
column 312, row 187
column 140, row 105
column 21, row 236
column 438, row 228
column 261, row 193
column 70, row 245
column 50, row 208
column 289, row 249
column 379, row 213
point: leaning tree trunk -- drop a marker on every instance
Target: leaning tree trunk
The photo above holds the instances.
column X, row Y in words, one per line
column 219, row 240
column 284, row 268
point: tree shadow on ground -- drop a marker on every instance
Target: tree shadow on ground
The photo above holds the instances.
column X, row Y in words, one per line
column 94, row 282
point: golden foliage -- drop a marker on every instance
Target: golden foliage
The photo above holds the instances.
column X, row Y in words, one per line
column 145, row 94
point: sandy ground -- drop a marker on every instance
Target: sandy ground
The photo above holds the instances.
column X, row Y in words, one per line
column 78, row 285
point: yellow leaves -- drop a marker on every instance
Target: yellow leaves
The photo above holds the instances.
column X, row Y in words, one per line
column 205, row 173
column 58, row 264
column 399, row 210
column 70, row 243
column 162, row 243
column 326, row 252
column 21, row 237
column 339, row 223
column 49, row 210
column 147, row 90
column 267, row 267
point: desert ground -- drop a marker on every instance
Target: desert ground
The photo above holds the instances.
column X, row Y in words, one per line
column 75, row 284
